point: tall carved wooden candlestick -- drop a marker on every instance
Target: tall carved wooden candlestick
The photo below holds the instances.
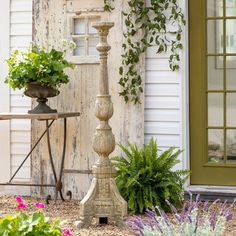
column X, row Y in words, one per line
column 103, row 200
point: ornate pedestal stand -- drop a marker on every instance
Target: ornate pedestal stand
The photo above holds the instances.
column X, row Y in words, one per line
column 103, row 199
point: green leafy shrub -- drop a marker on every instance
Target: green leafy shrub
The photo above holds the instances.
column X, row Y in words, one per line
column 38, row 65
column 35, row 224
column 146, row 177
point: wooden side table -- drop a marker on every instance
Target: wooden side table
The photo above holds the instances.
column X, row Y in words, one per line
column 49, row 120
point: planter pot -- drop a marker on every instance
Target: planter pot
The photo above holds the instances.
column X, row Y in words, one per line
column 41, row 92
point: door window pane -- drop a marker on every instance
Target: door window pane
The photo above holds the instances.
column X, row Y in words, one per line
column 80, row 47
column 214, row 8
column 231, row 109
column 230, row 7
column 231, row 73
column 79, row 26
column 215, row 73
column 215, row 36
column 215, row 145
column 231, row 36
column 231, row 145
column 215, row 109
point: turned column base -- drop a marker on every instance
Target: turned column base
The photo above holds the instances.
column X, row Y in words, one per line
column 103, row 201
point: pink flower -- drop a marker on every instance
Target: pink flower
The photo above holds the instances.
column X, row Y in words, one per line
column 22, row 205
column 39, row 205
column 19, row 199
column 67, row 232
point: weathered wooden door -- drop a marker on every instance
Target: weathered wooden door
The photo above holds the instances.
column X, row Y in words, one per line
column 55, row 20
column 213, row 91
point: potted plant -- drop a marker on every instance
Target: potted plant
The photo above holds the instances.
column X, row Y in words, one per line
column 39, row 72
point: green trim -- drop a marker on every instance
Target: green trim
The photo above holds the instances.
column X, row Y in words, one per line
column 204, row 172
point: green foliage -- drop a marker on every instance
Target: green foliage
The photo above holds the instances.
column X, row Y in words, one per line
column 158, row 24
column 37, row 65
column 29, row 225
column 108, row 6
column 145, row 177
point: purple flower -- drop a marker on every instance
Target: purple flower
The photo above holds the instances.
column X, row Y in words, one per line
column 229, row 217
column 22, row 205
column 67, row 232
column 150, row 214
column 19, row 199
column 39, row 205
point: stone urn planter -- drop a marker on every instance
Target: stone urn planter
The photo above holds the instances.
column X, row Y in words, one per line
column 41, row 92
column 39, row 72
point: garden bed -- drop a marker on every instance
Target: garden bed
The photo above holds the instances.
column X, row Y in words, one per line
column 69, row 211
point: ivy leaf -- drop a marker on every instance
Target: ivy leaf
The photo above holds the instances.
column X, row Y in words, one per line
column 121, row 70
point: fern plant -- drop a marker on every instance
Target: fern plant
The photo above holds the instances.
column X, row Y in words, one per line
column 146, row 177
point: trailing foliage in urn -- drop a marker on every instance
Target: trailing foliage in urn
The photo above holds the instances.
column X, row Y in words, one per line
column 38, row 65
column 158, row 24
column 146, row 177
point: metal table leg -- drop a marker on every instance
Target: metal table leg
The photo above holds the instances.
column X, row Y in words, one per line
column 58, row 182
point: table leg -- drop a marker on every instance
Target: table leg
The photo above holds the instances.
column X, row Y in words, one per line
column 58, row 182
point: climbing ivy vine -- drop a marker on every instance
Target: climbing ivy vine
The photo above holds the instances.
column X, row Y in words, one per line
column 158, row 23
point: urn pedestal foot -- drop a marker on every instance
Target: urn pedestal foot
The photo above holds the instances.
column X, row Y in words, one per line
column 103, row 201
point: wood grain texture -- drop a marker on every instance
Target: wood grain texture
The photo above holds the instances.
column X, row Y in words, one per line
column 50, row 26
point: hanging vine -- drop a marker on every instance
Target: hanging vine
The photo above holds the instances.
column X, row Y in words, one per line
column 158, row 24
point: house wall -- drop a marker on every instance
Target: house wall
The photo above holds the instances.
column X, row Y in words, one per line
column 20, row 131
column 15, row 137
column 166, row 98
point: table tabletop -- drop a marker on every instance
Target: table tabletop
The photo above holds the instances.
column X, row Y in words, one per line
column 45, row 116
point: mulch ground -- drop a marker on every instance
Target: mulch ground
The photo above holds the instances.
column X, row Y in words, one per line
column 69, row 211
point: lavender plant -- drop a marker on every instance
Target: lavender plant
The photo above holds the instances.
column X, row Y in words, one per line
column 196, row 218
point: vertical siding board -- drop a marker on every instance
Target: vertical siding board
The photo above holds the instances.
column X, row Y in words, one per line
column 50, row 26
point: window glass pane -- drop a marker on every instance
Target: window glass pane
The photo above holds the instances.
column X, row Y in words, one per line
column 231, row 73
column 231, row 145
column 230, row 7
column 92, row 46
column 79, row 26
column 215, row 145
column 214, row 8
column 80, row 47
column 215, row 73
column 91, row 29
column 231, row 109
column 231, row 36
column 215, row 36
column 215, row 109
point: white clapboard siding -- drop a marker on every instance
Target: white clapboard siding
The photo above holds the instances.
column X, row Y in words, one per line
column 20, row 38
column 21, row 6
column 162, row 117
